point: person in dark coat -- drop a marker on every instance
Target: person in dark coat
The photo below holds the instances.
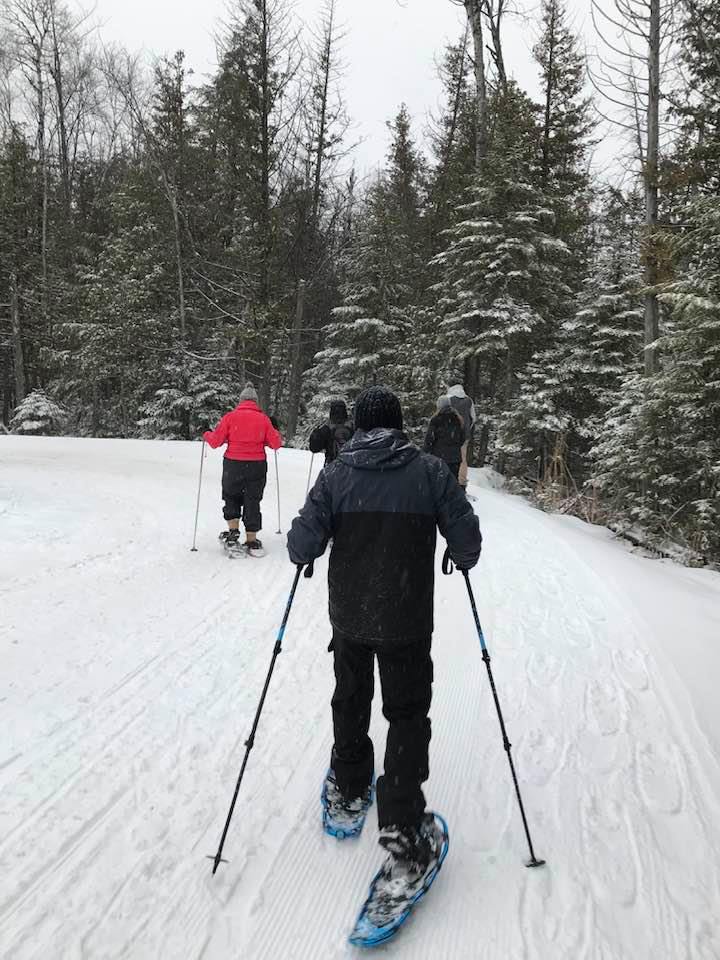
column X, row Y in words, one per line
column 330, row 437
column 446, row 435
column 461, row 402
column 382, row 502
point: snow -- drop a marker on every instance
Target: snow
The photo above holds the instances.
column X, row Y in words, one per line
column 131, row 670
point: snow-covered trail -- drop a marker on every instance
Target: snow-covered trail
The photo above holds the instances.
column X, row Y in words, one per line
column 130, row 674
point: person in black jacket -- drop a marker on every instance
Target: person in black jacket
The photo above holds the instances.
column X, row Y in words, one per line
column 382, row 501
column 330, row 437
column 446, row 435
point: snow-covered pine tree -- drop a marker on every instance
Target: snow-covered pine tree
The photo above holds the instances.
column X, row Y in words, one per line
column 566, row 126
column 194, row 395
column 38, row 415
column 602, row 343
column 532, row 434
column 500, row 285
column 368, row 338
column 658, row 459
column 452, row 139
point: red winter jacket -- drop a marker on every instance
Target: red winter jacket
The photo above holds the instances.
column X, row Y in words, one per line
column 247, row 431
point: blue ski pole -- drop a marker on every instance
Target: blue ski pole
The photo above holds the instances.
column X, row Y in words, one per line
column 447, row 567
column 533, row 862
column 249, row 743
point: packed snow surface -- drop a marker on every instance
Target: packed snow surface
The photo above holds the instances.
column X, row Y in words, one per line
column 131, row 670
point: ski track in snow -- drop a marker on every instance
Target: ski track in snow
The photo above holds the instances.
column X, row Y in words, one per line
column 134, row 668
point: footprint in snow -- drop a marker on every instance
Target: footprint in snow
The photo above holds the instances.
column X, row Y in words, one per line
column 660, row 778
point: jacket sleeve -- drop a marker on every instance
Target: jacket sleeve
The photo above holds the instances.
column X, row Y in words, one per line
column 312, row 528
column 217, row 437
column 318, row 439
column 457, row 521
column 272, row 436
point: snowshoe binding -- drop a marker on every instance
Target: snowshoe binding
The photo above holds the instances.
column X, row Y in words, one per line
column 343, row 818
column 230, row 539
column 415, row 856
column 254, row 548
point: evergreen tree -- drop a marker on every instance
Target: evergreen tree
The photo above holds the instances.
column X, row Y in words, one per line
column 566, row 128
column 38, row 415
column 367, row 340
column 452, row 139
column 502, row 292
column 658, row 457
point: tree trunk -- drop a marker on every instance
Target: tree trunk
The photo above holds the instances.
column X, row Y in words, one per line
column 474, row 15
column 266, row 240
column 63, row 151
column 495, row 19
column 549, row 97
column 17, row 344
column 322, row 132
column 296, row 365
column 170, row 192
column 44, row 185
column 652, row 312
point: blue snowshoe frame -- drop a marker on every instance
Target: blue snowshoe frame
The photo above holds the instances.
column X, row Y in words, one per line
column 365, row 933
column 340, row 833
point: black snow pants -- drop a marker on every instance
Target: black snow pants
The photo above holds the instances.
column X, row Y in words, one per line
column 243, row 485
column 406, row 674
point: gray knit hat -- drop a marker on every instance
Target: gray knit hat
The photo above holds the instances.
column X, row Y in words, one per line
column 249, row 393
column 443, row 402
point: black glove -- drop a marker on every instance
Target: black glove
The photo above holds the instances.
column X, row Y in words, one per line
column 309, row 569
column 449, row 565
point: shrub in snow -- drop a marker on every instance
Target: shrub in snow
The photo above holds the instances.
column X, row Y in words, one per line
column 38, row 415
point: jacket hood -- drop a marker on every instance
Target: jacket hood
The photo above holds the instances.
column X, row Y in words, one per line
column 378, row 449
column 456, row 391
column 247, row 405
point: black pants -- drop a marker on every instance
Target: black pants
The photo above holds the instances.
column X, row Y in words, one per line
column 406, row 674
column 243, row 485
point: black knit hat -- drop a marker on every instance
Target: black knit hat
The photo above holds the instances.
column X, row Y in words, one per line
column 378, row 407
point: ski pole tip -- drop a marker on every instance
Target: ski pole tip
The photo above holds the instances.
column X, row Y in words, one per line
column 535, row 863
column 217, row 861
column 193, row 550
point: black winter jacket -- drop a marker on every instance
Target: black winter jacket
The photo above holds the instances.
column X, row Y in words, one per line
column 445, row 436
column 330, row 438
column 382, row 502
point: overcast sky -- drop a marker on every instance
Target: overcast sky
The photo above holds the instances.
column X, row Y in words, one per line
column 391, row 50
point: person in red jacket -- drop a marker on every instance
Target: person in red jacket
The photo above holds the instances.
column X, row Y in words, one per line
column 247, row 431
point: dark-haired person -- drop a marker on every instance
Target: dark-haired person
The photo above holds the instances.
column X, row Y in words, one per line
column 330, row 437
column 382, row 502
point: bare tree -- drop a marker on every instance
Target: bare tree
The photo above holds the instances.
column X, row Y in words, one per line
column 126, row 76
column 474, row 9
column 30, row 24
column 493, row 11
column 629, row 74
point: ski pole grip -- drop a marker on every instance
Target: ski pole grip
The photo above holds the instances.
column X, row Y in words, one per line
column 309, row 570
column 447, row 564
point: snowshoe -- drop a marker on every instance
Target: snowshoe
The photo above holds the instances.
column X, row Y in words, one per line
column 254, row 548
column 343, row 818
column 414, row 860
column 230, row 539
